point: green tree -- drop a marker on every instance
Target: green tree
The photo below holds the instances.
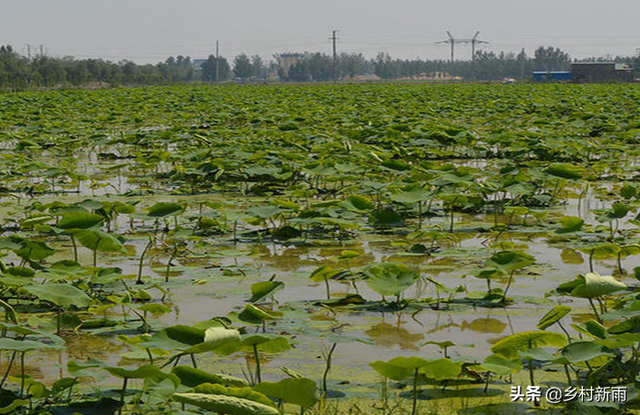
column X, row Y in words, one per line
column 242, row 67
column 259, row 67
column 551, row 59
column 208, row 69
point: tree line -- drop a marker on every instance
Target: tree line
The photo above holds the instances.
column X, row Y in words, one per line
column 485, row 66
column 20, row 72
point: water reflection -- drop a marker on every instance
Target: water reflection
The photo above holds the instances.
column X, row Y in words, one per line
column 388, row 335
column 571, row 256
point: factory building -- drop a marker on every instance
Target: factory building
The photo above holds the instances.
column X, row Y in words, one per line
column 592, row 72
column 588, row 72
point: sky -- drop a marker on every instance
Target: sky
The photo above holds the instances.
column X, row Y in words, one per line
column 148, row 31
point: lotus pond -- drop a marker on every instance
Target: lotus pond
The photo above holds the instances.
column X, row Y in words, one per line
column 352, row 249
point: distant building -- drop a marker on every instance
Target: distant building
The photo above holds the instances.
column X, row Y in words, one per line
column 197, row 63
column 552, row 76
column 287, row 60
column 590, row 72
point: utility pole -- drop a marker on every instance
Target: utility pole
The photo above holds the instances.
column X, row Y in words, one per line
column 217, row 62
column 41, row 51
column 29, row 52
column 334, row 40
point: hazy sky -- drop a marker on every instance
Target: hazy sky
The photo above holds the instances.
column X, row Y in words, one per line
column 151, row 30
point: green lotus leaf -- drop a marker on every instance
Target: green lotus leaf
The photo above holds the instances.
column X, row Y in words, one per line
column 358, row 203
column 20, row 346
column 222, row 404
column 500, row 365
column 594, row 285
column 564, row 171
column 591, row 328
column 324, row 272
column 35, row 220
column 142, row 372
column 98, row 241
column 269, row 343
column 398, row 368
column 64, row 295
column 254, row 314
column 390, row 278
column 410, row 195
column 297, row 391
column 263, row 289
column 489, row 273
column 264, row 212
column 527, row 340
column 584, row 351
column 553, row 316
column 165, row 209
column 79, row 220
column 191, row 376
column 570, row 224
column 510, row 260
column 627, row 191
column 385, row 217
column 441, row 369
column 238, row 392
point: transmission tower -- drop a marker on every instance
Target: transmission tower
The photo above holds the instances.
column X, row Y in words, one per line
column 474, row 41
column 453, row 42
